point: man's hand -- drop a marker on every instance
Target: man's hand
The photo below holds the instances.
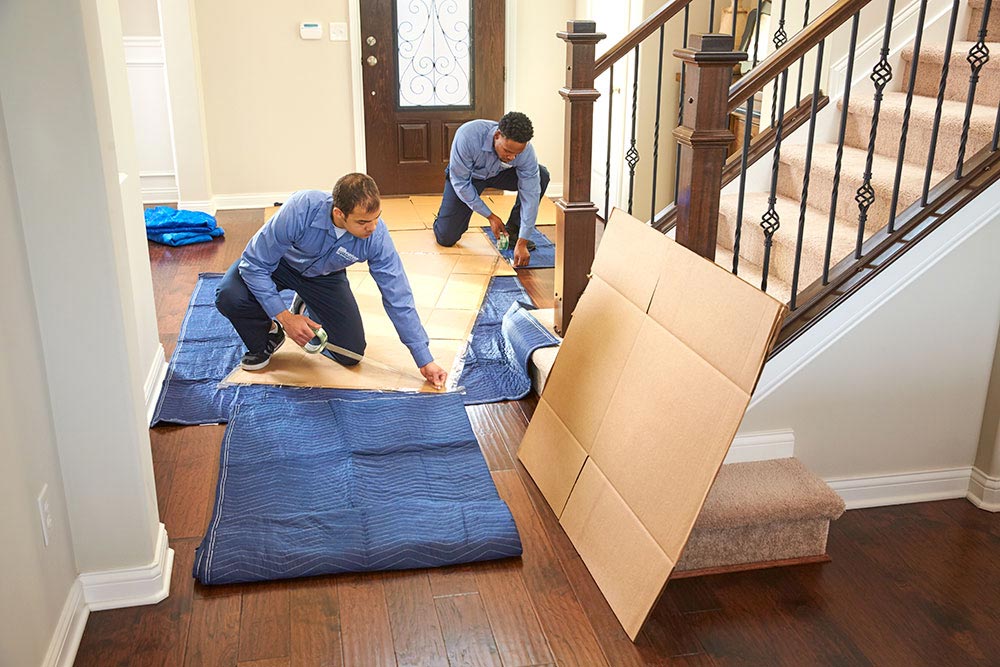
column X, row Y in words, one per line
column 298, row 327
column 434, row 374
column 521, row 253
column 496, row 224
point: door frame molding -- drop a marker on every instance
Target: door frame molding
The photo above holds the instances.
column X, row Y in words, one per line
column 357, row 84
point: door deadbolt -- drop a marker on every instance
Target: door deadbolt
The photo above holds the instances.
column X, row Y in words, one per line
column 371, row 41
column 372, row 61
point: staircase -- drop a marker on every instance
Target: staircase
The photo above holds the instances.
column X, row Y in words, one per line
column 792, row 161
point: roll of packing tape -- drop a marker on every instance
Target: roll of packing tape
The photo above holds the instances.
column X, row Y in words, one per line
column 317, row 342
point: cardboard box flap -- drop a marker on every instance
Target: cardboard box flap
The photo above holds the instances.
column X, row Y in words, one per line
column 666, row 432
column 721, row 317
column 626, row 238
column 552, row 455
column 625, row 561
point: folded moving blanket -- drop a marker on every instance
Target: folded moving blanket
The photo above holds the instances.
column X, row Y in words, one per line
column 171, row 227
column 320, row 487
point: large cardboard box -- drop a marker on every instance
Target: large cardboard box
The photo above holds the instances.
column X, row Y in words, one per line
column 644, row 399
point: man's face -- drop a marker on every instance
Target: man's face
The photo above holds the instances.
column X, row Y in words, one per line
column 507, row 149
column 359, row 222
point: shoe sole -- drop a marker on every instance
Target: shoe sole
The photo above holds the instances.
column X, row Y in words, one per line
column 263, row 364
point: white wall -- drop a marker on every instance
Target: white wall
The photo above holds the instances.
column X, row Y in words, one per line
column 36, row 578
column 895, row 379
column 67, row 142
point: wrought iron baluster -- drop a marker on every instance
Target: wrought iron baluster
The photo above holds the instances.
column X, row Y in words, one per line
column 978, row 56
column 632, row 155
column 680, row 105
column 840, row 147
column 808, row 166
column 880, row 76
column 656, row 128
column 745, row 158
column 770, row 222
column 733, row 26
column 780, row 39
column 996, row 131
column 711, row 16
column 802, row 60
column 756, row 34
column 949, row 43
column 607, row 163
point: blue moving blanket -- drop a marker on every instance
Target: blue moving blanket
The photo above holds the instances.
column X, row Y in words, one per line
column 542, row 257
column 320, row 487
column 171, row 227
column 495, row 365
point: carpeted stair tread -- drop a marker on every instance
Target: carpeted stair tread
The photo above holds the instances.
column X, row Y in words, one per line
column 852, row 170
column 761, row 512
column 920, row 128
column 929, row 72
column 782, row 260
column 976, row 19
column 752, row 273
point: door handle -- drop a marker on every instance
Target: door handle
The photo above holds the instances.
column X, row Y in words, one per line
column 372, row 61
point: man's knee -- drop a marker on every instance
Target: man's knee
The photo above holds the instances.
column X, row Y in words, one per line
column 446, row 235
column 543, row 177
column 227, row 301
column 357, row 348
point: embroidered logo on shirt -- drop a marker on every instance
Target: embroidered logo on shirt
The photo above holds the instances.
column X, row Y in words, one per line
column 346, row 255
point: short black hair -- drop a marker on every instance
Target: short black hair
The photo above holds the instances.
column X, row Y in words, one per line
column 355, row 190
column 517, row 127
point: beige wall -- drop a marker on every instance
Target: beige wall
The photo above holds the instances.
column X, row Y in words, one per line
column 139, row 18
column 901, row 388
column 988, row 452
column 279, row 110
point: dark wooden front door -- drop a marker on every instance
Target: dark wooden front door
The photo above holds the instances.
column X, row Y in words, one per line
column 429, row 66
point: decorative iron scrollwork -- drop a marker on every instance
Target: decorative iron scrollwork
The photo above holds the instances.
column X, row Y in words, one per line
column 433, row 39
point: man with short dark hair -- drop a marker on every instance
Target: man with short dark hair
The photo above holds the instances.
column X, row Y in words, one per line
column 489, row 154
column 306, row 246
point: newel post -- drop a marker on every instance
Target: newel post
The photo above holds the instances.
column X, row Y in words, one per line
column 704, row 138
column 576, row 215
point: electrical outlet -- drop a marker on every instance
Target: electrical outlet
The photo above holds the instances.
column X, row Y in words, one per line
column 338, row 32
column 45, row 512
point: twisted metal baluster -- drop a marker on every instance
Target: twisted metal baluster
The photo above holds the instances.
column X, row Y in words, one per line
column 656, row 129
column 680, row 105
column 780, row 39
column 978, row 56
column 906, row 115
column 949, row 43
column 770, row 222
column 632, row 155
column 880, row 76
column 607, row 163
column 840, row 147
column 808, row 167
column 802, row 61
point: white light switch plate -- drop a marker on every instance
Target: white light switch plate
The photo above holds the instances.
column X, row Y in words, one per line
column 338, row 32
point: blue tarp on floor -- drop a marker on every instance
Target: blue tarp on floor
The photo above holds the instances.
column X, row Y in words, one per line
column 495, row 366
column 390, row 482
column 542, row 257
column 169, row 226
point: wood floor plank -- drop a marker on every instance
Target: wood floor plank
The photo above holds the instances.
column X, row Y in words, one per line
column 214, row 637
column 453, row 580
column 466, row 630
column 109, row 638
column 315, row 623
column 416, row 632
column 192, row 488
column 570, row 636
column 516, row 630
column 364, row 622
column 162, row 633
column 490, row 437
column 265, row 629
column 270, row 662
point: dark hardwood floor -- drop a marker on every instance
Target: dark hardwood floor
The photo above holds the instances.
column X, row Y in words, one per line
column 908, row 585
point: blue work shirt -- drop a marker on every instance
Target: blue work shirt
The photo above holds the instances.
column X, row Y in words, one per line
column 473, row 157
column 303, row 234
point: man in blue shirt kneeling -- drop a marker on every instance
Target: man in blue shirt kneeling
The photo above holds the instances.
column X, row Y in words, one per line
column 490, row 154
column 306, row 246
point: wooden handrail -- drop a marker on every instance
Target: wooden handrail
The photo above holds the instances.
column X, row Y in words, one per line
column 797, row 47
column 641, row 32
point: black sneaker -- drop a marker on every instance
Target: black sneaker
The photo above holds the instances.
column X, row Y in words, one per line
column 254, row 361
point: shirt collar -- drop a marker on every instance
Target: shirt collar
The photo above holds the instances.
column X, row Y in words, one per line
column 325, row 222
column 488, row 144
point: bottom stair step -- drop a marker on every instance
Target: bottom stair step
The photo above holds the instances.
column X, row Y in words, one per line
column 761, row 512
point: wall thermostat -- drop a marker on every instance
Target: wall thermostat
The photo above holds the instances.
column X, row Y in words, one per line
column 310, row 30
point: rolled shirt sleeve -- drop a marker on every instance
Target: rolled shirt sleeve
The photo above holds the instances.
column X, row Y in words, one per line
column 265, row 250
column 529, row 190
column 463, row 151
column 397, row 297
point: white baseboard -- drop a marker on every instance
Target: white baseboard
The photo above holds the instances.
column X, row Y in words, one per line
column 762, row 446
column 133, row 586
column 249, row 200
column 984, row 491
column 69, row 630
column 202, row 206
column 154, row 382
column 902, row 488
